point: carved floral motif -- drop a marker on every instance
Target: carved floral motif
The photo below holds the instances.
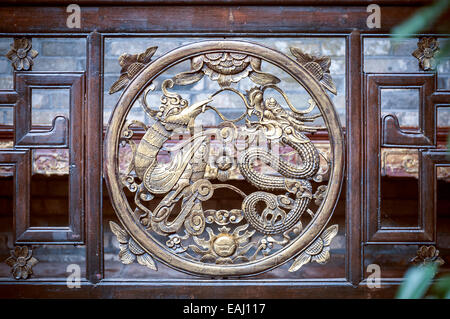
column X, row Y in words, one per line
column 21, row 54
column 425, row 53
column 130, row 250
column 225, row 247
column 131, row 65
column 318, row 251
column 319, row 67
column 426, row 255
column 225, row 68
column 21, row 262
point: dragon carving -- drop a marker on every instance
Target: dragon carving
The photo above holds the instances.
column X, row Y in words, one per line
column 183, row 185
column 183, row 178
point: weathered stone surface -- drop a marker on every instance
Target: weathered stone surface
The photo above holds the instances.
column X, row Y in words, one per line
column 443, row 116
column 333, row 47
column 405, row 118
column 391, row 64
column 6, row 82
column 6, row 116
column 405, row 99
column 5, row 65
column 443, row 82
column 377, row 46
column 70, row 47
column 403, row 47
column 56, row 64
column 111, row 66
column 5, row 45
column 444, row 66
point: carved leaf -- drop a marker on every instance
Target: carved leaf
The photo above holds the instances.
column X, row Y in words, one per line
column 10, row 261
column 121, row 234
column 315, row 69
column 135, row 248
column 315, row 248
column 301, row 260
column 119, row 84
column 196, row 250
column 418, row 54
column 134, row 69
column 31, row 262
column 323, row 257
column 126, row 256
column 324, row 62
column 26, row 63
column 190, row 77
column 197, row 62
column 146, row 56
column 33, row 53
column 147, row 261
column 300, row 55
column 318, row 251
column 255, row 63
column 328, row 83
column 262, row 78
column 224, row 80
column 328, row 234
column 131, row 64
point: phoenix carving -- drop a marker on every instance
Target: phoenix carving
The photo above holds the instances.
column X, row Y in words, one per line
column 172, row 197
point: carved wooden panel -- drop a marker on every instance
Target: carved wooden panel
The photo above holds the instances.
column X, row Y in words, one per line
column 374, row 147
column 273, row 224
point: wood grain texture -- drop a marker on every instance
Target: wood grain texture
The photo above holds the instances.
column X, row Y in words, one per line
column 354, row 159
column 227, row 19
column 378, row 134
column 93, row 158
column 199, row 289
column 65, row 133
column 221, row 2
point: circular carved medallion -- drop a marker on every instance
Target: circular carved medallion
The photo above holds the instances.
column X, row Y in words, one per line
column 169, row 194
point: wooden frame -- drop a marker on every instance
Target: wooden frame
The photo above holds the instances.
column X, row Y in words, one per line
column 386, row 132
column 429, row 161
column 57, row 137
column 333, row 19
column 21, row 161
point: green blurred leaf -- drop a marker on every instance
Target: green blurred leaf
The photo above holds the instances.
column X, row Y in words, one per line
column 416, row 282
column 441, row 289
column 422, row 19
column 444, row 52
column 448, row 141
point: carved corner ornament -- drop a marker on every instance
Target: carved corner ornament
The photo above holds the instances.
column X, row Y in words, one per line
column 319, row 67
column 426, row 255
column 21, row 262
column 129, row 249
column 427, row 48
column 286, row 214
column 22, row 54
column 131, row 65
column 318, row 251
